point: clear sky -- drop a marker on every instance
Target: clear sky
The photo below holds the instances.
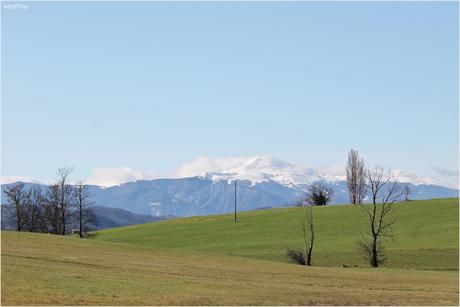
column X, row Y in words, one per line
column 152, row 85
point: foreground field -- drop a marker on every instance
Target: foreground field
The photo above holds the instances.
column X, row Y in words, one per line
column 213, row 261
column 425, row 235
column 52, row 270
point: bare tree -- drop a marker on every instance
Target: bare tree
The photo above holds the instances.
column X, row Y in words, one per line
column 356, row 177
column 15, row 200
column 309, row 233
column 33, row 208
column 381, row 185
column 86, row 216
column 51, row 215
column 407, row 192
column 300, row 256
column 59, row 201
column 65, row 194
column 319, row 194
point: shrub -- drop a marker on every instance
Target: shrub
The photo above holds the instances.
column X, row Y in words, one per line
column 296, row 256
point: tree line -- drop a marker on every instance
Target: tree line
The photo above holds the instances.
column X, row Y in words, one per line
column 373, row 184
column 53, row 209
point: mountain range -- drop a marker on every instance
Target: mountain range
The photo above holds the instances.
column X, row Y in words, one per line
column 261, row 182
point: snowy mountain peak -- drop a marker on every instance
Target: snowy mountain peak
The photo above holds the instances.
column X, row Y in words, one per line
column 266, row 168
column 265, row 163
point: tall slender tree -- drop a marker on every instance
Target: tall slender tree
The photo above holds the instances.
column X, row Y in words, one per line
column 356, row 177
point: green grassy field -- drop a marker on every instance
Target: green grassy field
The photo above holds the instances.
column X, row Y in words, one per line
column 425, row 235
column 213, row 261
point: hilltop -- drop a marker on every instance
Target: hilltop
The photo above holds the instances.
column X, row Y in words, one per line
column 425, row 235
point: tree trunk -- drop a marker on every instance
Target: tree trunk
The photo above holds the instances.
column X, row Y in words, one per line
column 81, row 223
column 309, row 258
column 32, row 222
column 18, row 214
column 63, row 222
column 374, row 255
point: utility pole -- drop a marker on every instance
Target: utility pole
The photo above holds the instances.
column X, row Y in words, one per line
column 235, row 200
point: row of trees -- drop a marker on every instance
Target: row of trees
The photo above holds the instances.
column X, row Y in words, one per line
column 373, row 189
column 51, row 210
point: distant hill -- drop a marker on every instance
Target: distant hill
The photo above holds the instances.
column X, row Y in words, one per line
column 106, row 217
column 115, row 217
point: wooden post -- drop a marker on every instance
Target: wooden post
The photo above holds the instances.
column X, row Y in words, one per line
column 235, row 200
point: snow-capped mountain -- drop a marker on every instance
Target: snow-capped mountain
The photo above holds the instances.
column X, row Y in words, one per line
column 264, row 169
column 262, row 181
column 268, row 168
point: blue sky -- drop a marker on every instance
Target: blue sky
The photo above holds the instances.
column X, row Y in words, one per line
column 151, row 86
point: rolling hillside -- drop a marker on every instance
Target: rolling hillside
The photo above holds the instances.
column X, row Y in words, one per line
column 213, row 261
column 425, row 235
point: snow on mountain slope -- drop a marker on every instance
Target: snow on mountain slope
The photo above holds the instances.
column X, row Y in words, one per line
column 267, row 168
column 261, row 169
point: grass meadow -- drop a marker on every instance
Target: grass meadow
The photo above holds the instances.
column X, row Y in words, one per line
column 213, row 261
